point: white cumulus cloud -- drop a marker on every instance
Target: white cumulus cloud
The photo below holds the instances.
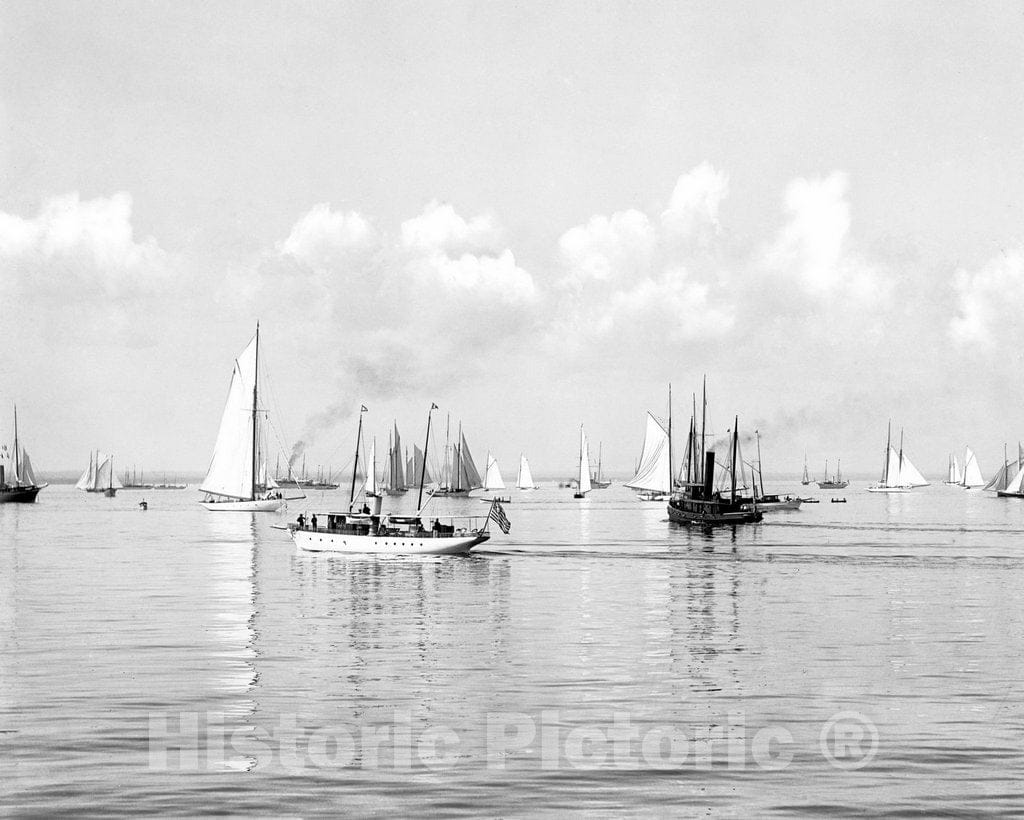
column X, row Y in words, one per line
column 989, row 301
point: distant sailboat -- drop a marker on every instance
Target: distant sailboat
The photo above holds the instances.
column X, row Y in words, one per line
column 415, row 467
column 394, row 483
column 955, row 474
column 237, row 480
column 583, row 479
column 972, row 472
column 524, row 481
column 806, row 479
column 461, row 475
column 898, row 474
column 17, row 480
column 493, row 481
column 653, row 478
column 372, row 490
column 834, row 483
column 1001, row 480
column 597, row 480
column 99, row 476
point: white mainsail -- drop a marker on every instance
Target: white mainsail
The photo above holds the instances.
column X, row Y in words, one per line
column 908, row 475
column 654, row 471
column 524, row 481
column 88, row 478
column 231, row 469
column 972, row 472
column 1015, row 484
column 371, row 469
column 492, row 479
column 956, row 475
column 105, row 476
column 584, row 476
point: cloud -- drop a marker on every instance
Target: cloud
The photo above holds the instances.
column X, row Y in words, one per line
column 693, row 207
column 439, row 229
column 323, row 237
column 813, row 247
column 989, row 302
column 80, row 250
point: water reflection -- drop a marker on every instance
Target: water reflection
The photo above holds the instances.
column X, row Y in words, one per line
column 232, row 570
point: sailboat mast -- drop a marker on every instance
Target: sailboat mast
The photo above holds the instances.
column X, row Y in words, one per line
column 703, row 425
column 423, row 466
column 735, row 442
column 255, row 410
column 355, row 460
column 885, row 461
column 760, row 471
column 458, row 460
column 671, row 463
column 17, row 453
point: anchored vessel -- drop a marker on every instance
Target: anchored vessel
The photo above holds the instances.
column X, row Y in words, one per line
column 836, row 482
column 18, row 483
column 237, row 480
column 99, row 476
column 699, row 503
column 898, row 474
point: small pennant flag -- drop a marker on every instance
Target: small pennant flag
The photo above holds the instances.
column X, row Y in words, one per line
column 362, row 409
column 497, row 515
column 433, row 406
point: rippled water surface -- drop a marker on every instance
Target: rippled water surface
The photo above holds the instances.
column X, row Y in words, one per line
column 854, row 658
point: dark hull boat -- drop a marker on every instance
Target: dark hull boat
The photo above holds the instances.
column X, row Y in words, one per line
column 19, row 495
column 699, row 505
column 18, row 483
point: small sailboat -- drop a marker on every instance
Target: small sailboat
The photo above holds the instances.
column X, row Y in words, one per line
column 583, row 485
column 1001, row 480
column 972, row 472
column 237, row 480
column 370, row 532
column 836, row 482
column 653, row 478
column 955, row 474
column 17, row 480
column 524, row 479
column 493, row 481
column 395, row 478
column 597, row 480
column 898, row 474
column 460, row 475
column 806, row 479
column 99, row 476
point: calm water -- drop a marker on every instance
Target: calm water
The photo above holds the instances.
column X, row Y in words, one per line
column 857, row 658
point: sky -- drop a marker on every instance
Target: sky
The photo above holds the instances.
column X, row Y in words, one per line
column 535, row 215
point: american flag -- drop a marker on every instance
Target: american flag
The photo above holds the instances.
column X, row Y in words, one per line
column 497, row 515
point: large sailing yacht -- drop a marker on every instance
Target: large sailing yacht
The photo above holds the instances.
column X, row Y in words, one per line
column 237, row 480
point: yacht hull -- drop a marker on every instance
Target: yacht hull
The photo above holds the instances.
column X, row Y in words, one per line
column 259, row 505
column 355, row 544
